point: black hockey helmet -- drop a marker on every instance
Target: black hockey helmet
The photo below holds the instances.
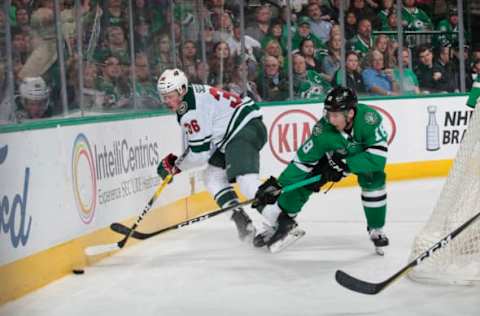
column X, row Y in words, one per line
column 340, row 99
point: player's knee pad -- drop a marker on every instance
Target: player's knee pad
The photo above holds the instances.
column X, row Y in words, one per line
column 249, row 184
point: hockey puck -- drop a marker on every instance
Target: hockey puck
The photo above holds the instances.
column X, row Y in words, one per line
column 78, row 271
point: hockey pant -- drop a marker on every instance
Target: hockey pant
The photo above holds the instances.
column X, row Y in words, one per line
column 374, row 197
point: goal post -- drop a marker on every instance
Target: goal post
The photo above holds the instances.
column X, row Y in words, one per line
column 459, row 262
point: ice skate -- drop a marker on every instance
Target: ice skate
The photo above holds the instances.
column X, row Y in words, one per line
column 261, row 238
column 243, row 223
column 379, row 239
column 286, row 234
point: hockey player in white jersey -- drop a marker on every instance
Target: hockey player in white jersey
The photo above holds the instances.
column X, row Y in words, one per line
column 224, row 131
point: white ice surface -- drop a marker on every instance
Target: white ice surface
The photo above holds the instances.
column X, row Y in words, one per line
column 205, row 270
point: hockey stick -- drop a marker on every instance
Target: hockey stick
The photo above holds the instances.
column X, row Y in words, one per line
column 122, row 229
column 99, row 249
column 94, row 35
column 364, row 287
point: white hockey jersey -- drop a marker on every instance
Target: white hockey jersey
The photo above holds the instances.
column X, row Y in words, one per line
column 210, row 117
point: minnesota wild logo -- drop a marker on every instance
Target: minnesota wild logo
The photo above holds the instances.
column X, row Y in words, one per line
column 182, row 109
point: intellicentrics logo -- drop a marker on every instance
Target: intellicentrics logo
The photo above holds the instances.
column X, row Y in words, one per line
column 84, row 178
column 94, row 165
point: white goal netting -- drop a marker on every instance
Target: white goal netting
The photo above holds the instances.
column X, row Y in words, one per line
column 459, row 261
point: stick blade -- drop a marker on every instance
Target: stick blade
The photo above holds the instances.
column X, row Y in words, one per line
column 101, row 249
column 124, row 230
column 357, row 285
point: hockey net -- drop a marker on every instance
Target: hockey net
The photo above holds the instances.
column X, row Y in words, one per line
column 459, row 262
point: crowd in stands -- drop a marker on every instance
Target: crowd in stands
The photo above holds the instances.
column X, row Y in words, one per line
column 206, row 43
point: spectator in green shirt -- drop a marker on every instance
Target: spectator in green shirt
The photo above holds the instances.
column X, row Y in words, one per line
column 409, row 82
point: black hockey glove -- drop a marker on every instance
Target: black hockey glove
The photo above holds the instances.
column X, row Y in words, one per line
column 267, row 193
column 337, row 168
column 332, row 168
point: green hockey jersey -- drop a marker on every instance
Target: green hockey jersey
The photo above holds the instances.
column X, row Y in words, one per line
column 312, row 85
column 417, row 19
column 364, row 147
column 450, row 37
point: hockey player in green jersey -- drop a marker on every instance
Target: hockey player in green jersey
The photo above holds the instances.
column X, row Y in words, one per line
column 349, row 138
column 222, row 130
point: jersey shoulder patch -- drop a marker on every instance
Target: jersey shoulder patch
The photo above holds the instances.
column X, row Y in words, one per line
column 371, row 118
column 187, row 104
column 368, row 115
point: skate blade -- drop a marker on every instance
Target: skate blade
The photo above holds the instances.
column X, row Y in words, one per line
column 291, row 238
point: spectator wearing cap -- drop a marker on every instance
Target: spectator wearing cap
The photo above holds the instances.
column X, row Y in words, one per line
column 450, row 28
column 363, row 41
column 318, row 26
column 303, row 32
column 259, row 29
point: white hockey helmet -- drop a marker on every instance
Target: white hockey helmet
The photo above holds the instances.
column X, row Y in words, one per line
column 172, row 80
column 34, row 89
